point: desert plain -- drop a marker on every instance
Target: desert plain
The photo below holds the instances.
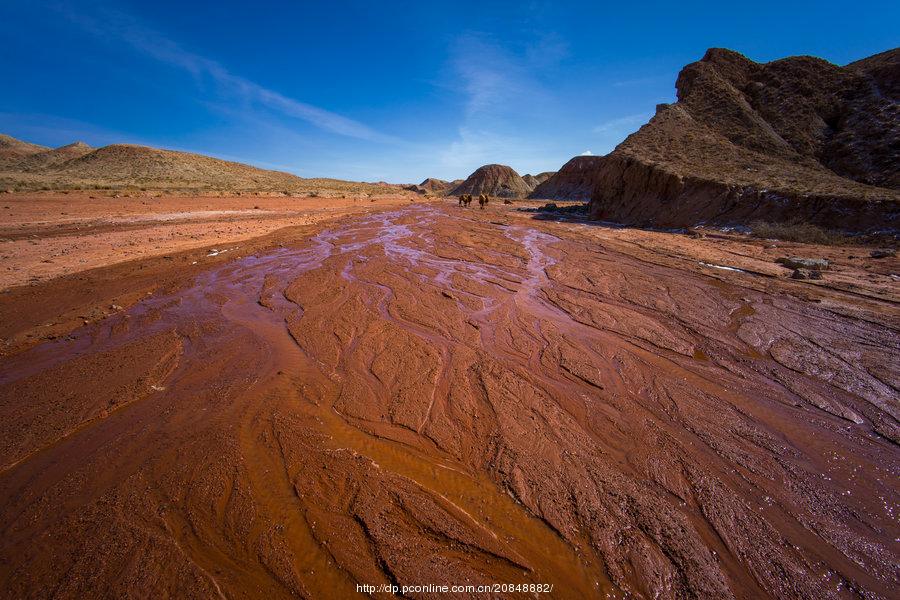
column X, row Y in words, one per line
column 275, row 396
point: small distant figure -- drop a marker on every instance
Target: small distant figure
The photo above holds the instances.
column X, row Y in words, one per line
column 465, row 199
column 482, row 200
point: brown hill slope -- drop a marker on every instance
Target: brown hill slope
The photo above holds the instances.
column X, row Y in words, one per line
column 13, row 150
column 151, row 167
column 883, row 68
column 535, row 180
column 574, row 181
column 797, row 138
column 494, row 180
column 46, row 159
column 433, row 187
column 25, row 166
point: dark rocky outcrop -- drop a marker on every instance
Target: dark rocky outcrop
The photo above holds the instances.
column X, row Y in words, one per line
column 794, row 139
column 574, row 181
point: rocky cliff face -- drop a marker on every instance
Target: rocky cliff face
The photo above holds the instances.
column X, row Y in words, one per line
column 574, row 181
column 797, row 138
column 494, row 180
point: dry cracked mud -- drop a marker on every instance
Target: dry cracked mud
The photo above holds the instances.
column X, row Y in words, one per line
column 438, row 395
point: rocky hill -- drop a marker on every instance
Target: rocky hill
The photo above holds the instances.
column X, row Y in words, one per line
column 25, row 166
column 793, row 139
column 433, row 187
column 48, row 158
column 12, row 150
column 494, row 180
column 574, row 181
column 532, row 181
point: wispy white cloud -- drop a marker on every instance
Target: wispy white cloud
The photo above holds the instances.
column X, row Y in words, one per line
column 622, row 124
column 501, row 89
column 499, row 81
column 490, row 77
column 474, row 148
column 547, row 51
column 104, row 22
column 642, row 81
column 587, row 153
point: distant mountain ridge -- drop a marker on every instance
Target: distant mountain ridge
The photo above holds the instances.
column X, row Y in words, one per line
column 27, row 166
column 535, row 180
column 49, row 158
column 13, row 150
column 433, row 187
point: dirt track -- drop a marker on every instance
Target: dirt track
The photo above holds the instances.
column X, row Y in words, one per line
column 439, row 395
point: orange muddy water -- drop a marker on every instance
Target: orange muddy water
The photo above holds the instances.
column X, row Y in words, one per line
column 426, row 396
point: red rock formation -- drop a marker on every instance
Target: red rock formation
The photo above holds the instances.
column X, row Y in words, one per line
column 797, row 138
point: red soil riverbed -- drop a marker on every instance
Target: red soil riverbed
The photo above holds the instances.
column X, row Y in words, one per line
column 433, row 395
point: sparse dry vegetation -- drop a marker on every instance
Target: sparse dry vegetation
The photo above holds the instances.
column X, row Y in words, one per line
column 797, row 232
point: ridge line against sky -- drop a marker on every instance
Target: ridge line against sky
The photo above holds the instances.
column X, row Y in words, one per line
column 397, row 92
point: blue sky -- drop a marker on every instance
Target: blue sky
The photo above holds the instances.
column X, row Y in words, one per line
column 394, row 91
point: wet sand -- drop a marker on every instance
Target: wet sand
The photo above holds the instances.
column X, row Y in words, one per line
column 434, row 395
